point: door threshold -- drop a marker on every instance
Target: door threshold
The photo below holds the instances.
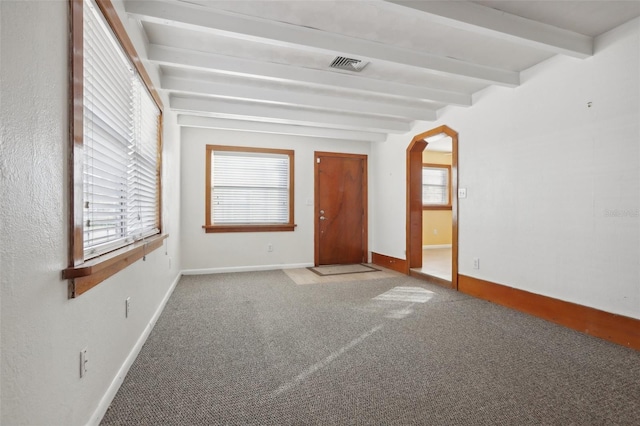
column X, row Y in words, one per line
column 416, row 273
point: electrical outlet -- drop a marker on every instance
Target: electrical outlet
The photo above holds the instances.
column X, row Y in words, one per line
column 269, row 247
column 127, row 307
column 476, row 263
column 462, row 192
column 84, row 360
column 435, row 232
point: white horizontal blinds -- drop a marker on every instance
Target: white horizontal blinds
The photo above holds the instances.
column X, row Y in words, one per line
column 249, row 188
column 435, row 186
column 108, row 109
column 142, row 171
column 120, row 139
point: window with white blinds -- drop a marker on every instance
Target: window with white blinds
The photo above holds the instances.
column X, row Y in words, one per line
column 249, row 186
column 120, row 142
column 435, row 186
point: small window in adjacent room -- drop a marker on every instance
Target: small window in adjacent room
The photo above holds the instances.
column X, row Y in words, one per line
column 436, row 185
column 248, row 189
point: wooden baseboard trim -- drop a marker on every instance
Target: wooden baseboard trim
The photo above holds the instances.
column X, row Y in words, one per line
column 605, row 325
column 399, row 265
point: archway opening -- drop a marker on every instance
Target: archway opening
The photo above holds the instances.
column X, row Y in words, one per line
column 416, row 203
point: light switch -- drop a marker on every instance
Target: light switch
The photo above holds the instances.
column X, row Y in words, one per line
column 462, row 192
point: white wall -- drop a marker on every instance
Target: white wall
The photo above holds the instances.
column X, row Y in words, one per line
column 42, row 330
column 248, row 250
column 544, row 173
column 389, row 177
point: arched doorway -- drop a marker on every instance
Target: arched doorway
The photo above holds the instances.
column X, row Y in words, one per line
column 415, row 202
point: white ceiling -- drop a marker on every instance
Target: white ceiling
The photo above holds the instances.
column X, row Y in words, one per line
column 440, row 144
column 263, row 66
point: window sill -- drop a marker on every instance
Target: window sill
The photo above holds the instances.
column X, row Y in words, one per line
column 92, row 272
column 210, row 229
column 435, row 207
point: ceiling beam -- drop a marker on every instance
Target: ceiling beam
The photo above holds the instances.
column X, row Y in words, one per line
column 249, row 28
column 278, row 128
column 294, row 98
column 288, row 115
column 487, row 21
column 309, row 77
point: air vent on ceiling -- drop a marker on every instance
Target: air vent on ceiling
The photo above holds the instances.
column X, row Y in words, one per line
column 348, row 64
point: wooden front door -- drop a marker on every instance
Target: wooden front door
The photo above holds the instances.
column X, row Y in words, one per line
column 341, row 208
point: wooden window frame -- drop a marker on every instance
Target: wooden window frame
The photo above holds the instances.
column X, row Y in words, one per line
column 84, row 275
column 212, row 228
column 440, row 206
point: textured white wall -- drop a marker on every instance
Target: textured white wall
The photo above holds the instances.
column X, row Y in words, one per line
column 546, row 176
column 42, row 331
column 242, row 250
column 389, row 177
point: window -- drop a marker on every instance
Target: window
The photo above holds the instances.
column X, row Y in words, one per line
column 116, row 150
column 248, row 189
column 436, row 185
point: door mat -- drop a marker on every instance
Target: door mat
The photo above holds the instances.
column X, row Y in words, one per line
column 326, row 270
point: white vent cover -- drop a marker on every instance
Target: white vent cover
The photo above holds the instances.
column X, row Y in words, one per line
column 348, row 64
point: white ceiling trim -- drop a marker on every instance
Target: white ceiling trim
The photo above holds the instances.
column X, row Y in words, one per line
column 278, row 128
column 293, row 98
column 287, row 115
column 492, row 22
column 250, row 68
column 282, row 34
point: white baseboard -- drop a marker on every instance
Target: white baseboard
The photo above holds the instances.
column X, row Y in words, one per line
column 245, row 268
column 99, row 413
column 436, row 246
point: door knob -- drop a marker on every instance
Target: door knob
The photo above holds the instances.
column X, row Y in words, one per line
column 322, row 217
column 321, row 211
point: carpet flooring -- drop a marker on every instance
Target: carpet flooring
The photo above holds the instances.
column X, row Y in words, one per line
column 256, row 349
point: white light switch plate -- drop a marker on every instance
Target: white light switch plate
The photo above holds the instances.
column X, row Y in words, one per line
column 462, row 192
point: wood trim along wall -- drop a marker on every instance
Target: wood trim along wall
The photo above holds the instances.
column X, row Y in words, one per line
column 414, row 202
column 207, row 185
column 159, row 170
column 454, row 209
column 398, row 265
column 215, row 229
column 93, row 272
column 428, row 207
column 612, row 327
column 76, row 139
